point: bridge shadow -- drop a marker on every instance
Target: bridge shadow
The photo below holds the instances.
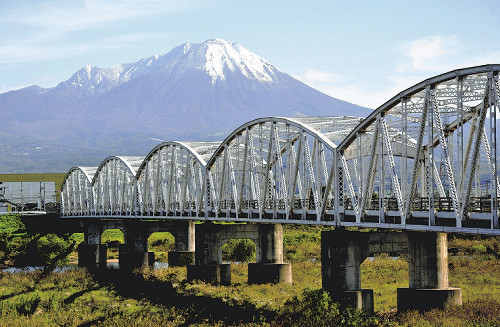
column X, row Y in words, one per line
column 130, row 285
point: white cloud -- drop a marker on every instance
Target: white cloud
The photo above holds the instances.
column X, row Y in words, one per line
column 428, row 53
column 419, row 59
column 364, row 93
column 50, row 30
column 441, row 53
column 313, row 76
column 30, row 51
column 64, row 16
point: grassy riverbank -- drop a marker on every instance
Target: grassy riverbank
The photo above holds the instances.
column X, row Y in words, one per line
column 161, row 297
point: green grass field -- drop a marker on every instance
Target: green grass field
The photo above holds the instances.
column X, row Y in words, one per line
column 57, row 178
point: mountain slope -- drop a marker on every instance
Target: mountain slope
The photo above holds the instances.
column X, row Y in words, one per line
column 194, row 92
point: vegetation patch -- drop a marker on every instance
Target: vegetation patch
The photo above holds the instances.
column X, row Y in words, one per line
column 163, row 297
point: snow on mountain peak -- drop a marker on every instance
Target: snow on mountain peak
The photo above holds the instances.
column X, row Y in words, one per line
column 215, row 55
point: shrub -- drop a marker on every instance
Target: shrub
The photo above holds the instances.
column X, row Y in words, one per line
column 11, row 229
column 54, row 302
column 112, row 235
column 239, row 251
column 11, row 224
column 313, row 308
column 161, row 242
column 478, row 249
column 28, row 303
column 53, row 250
column 113, row 245
column 316, row 308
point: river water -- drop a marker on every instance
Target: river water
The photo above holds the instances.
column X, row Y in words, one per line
column 73, row 265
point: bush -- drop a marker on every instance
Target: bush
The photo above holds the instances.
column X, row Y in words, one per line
column 478, row 249
column 11, row 224
column 112, row 235
column 162, row 241
column 113, row 245
column 301, row 243
column 28, row 303
column 11, row 228
column 239, row 251
column 313, row 308
column 54, row 302
column 316, row 308
column 53, row 251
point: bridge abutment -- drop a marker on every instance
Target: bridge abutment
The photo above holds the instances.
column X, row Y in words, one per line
column 184, row 233
column 268, row 239
column 342, row 253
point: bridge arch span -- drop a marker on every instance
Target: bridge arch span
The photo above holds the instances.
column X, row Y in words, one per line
column 172, row 179
column 276, row 168
column 448, row 124
column 77, row 193
column 115, row 186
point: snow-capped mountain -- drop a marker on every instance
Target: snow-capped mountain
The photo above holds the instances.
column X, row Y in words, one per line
column 194, row 92
column 212, row 57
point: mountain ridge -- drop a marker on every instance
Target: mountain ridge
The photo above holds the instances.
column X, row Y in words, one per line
column 193, row 92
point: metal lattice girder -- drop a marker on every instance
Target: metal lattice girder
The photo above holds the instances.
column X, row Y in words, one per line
column 350, row 187
column 172, row 178
column 477, row 143
column 491, row 162
column 288, row 167
column 433, row 145
column 77, row 195
column 115, row 186
column 394, row 176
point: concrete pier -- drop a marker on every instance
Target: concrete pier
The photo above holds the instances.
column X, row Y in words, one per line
column 270, row 267
column 134, row 253
column 208, row 265
column 428, row 274
column 184, row 233
column 92, row 256
column 341, row 256
column 268, row 239
column 342, row 253
column 91, row 253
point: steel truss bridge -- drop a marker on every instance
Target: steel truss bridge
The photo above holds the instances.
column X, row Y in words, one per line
column 424, row 160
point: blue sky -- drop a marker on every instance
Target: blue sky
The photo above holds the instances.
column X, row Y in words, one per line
column 359, row 51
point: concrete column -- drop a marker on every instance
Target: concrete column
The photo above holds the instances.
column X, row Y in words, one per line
column 428, row 274
column 91, row 253
column 208, row 265
column 134, row 253
column 184, row 233
column 342, row 253
column 270, row 267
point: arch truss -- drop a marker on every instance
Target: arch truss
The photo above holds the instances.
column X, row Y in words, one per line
column 277, row 168
column 77, row 193
column 116, row 188
column 172, row 179
column 424, row 160
column 446, row 175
